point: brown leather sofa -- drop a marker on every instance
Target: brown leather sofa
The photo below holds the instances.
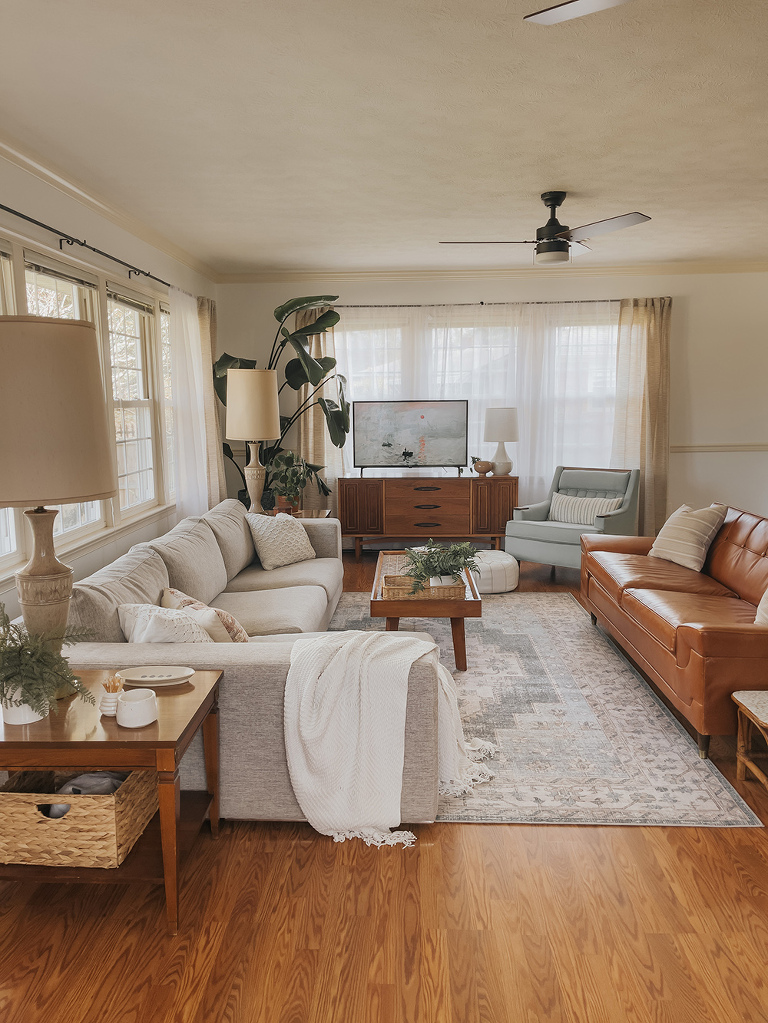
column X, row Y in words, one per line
column 692, row 633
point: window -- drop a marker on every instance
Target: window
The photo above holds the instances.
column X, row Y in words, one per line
column 54, row 293
column 130, row 336
column 168, row 420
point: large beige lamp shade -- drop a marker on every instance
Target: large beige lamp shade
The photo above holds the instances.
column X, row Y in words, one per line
column 501, row 426
column 253, row 415
column 56, row 446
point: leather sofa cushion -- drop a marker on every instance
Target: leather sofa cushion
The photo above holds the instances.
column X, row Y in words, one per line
column 738, row 557
column 660, row 612
column 619, row 572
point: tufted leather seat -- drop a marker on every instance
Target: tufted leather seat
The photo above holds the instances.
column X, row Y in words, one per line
column 692, row 633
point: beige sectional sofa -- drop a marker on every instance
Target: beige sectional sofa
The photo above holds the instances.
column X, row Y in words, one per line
column 212, row 558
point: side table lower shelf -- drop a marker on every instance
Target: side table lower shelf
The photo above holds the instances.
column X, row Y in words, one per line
column 144, row 863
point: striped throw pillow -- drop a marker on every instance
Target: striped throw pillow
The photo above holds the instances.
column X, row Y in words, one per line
column 761, row 618
column 686, row 535
column 580, row 511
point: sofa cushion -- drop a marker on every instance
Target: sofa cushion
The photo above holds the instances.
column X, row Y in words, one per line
column 138, row 577
column 325, row 572
column 193, row 559
column 660, row 612
column 687, row 534
column 272, row 612
column 618, row 572
column 229, row 525
column 593, row 482
column 738, row 557
column 551, row 532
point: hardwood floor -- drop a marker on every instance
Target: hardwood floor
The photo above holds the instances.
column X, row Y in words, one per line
column 476, row 923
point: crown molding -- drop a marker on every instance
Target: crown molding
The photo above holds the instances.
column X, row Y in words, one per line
column 495, row 273
column 15, row 155
column 695, row 449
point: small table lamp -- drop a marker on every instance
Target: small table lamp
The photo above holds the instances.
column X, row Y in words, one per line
column 56, row 447
column 253, row 415
column 500, row 426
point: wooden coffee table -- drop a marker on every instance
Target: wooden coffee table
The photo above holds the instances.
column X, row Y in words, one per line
column 457, row 608
column 78, row 736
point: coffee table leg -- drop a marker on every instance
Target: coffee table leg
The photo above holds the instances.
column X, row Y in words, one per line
column 459, row 643
column 168, row 798
column 211, row 750
column 393, row 624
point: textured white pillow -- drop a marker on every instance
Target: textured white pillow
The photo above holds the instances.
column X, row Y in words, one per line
column 761, row 618
column 580, row 511
column 686, row 535
column 279, row 540
column 147, row 623
column 220, row 625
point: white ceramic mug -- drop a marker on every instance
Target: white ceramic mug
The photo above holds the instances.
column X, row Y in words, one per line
column 136, row 708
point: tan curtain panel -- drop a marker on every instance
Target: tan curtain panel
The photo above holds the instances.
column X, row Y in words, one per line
column 217, row 484
column 314, row 443
column 641, row 423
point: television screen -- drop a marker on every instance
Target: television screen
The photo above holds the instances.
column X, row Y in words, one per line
column 409, row 434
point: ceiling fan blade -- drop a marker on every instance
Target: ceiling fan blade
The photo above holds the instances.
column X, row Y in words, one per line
column 603, row 227
column 582, row 245
column 487, row 243
column 571, row 9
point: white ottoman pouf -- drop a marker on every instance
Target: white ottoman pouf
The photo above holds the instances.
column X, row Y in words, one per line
column 498, row 572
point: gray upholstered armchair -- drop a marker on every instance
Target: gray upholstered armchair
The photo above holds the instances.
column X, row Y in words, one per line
column 532, row 536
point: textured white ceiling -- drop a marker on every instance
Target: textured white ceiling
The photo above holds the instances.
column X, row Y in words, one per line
column 355, row 134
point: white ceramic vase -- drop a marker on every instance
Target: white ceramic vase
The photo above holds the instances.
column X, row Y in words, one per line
column 23, row 715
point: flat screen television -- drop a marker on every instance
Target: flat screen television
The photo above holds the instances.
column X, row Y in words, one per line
column 409, row 434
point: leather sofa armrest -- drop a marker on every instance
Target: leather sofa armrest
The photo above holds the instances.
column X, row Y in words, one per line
column 737, row 641
column 620, row 544
column 532, row 512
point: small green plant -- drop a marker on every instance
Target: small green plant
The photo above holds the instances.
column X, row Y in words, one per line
column 31, row 672
column 288, row 475
column 439, row 559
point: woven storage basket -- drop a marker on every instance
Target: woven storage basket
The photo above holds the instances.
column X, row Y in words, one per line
column 398, row 587
column 97, row 831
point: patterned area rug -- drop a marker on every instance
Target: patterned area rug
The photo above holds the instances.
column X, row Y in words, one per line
column 583, row 740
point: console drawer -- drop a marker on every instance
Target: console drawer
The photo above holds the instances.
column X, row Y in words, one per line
column 449, row 518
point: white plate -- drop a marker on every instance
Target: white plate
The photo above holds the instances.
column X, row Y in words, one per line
column 156, row 675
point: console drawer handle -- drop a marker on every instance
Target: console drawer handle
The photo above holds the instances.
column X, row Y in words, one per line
column 427, row 488
column 427, row 523
column 424, row 507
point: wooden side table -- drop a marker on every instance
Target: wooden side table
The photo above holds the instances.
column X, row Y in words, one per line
column 78, row 736
column 752, row 711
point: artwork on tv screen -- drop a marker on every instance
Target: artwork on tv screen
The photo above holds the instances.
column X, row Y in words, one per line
column 409, row 434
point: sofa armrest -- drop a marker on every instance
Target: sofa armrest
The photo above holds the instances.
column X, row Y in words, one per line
column 532, row 512
column 325, row 536
column 620, row 544
column 737, row 641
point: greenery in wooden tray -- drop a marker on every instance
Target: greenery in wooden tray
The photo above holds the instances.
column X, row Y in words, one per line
column 31, row 672
column 439, row 559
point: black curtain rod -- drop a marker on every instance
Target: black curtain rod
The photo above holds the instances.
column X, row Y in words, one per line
column 448, row 305
column 70, row 240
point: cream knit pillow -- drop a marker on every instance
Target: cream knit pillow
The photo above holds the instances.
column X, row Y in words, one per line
column 148, row 623
column 279, row 540
column 686, row 535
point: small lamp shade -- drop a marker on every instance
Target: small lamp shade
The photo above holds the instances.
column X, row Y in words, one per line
column 252, row 405
column 53, row 414
column 500, row 424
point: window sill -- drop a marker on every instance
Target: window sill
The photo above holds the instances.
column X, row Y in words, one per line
column 81, row 547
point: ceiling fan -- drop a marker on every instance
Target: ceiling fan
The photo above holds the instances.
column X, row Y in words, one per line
column 571, row 9
column 553, row 240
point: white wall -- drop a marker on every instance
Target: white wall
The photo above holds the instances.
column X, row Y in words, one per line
column 27, row 193
column 719, row 356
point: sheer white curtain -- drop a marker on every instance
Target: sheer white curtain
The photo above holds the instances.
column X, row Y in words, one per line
column 199, row 463
column 554, row 362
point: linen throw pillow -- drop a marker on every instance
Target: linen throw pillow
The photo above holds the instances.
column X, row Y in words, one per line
column 148, row 623
column 687, row 534
column 279, row 540
column 761, row 618
column 580, row 511
column 220, row 625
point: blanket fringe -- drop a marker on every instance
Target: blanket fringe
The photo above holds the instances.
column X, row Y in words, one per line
column 480, row 749
column 372, row 836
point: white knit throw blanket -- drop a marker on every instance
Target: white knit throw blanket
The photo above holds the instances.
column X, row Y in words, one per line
column 345, row 699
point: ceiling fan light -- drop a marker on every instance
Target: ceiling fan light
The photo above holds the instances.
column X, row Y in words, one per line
column 548, row 253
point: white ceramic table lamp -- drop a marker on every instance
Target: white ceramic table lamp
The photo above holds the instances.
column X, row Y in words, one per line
column 253, row 415
column 55, row 447
column 501, row 426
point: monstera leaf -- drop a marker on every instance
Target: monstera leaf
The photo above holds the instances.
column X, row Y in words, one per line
column 324, row 322
column 224, row 363
column 296, row 376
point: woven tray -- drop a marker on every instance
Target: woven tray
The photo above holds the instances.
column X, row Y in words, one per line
column 398, row 587
column 97, row 831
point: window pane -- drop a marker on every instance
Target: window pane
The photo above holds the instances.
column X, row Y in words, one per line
column 7, row 532
column 168, row 420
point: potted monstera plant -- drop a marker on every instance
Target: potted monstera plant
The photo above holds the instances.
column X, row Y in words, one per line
column 303, row 369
